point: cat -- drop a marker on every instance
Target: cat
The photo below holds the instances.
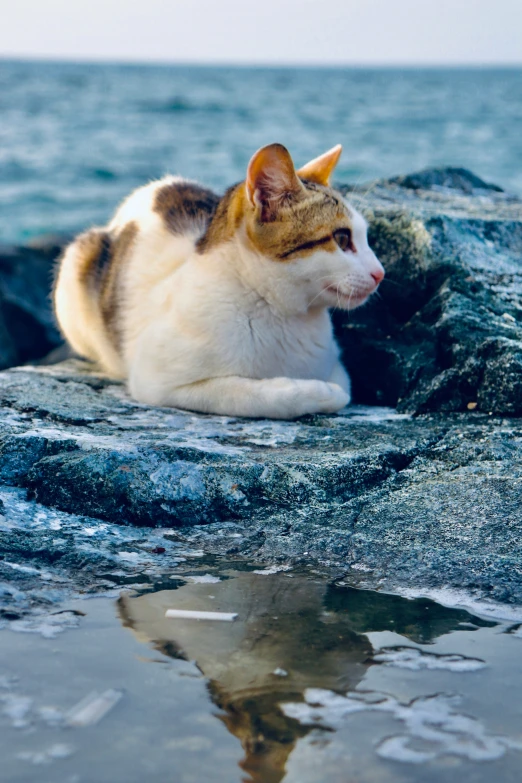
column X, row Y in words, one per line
column 220, row 305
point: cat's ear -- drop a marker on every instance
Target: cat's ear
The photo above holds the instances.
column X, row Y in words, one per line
column 271, row 180
column 320, row 169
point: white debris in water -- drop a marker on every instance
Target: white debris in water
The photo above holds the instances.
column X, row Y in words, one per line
column 275, row 569
column 58, row 751
column 397, row 749
column 323, row 707
column 90, row 710
column 17, row 709
column 22, row 713
column 416, row 660
column 47, row 625
column 188, row 614
column 427, row 718
column 203, row 579
column 460, row 599
column 280, row 672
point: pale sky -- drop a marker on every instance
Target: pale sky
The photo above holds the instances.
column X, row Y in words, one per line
column 266, row 31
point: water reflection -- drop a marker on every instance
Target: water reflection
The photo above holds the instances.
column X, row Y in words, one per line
column 292, row 633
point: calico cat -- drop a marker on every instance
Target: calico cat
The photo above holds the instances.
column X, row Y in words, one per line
column 220, row 305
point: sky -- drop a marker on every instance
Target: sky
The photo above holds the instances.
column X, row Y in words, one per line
column 336, row 32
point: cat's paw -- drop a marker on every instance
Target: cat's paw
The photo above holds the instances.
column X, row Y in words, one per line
column 324, row 397
column 300, row 397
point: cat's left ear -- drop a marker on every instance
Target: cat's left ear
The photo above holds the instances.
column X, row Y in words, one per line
column 271, row 180
column 320, row 169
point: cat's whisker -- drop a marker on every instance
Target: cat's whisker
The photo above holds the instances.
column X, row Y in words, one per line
column 315, row 297
column 362, row 198
column 387, row 281
column 353, row 188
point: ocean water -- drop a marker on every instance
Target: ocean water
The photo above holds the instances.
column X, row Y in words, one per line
column 76, row 138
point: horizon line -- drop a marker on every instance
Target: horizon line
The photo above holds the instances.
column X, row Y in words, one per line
column 298, row 64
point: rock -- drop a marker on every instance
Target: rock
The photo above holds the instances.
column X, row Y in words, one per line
column 27, row 328
column 392, row 501
column 448, row 177
column 445, row 331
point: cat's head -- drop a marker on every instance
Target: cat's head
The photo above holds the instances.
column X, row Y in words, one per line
column 315, row 243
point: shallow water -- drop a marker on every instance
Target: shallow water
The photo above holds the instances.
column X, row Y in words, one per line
column 314, row 682
column 76, row 138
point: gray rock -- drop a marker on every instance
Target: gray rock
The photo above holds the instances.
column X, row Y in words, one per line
column 448, row 177
column 394, row 501
column 446, row 327
column 27, row 328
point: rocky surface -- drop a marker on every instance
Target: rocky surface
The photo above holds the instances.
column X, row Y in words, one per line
column 99, row 491
column 393, row 501
column 27, row 328
column 446, row 330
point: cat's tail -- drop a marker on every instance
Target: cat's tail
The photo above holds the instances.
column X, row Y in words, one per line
column 85, row 299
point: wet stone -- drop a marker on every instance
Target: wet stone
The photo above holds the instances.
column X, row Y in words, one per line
column 389, row 500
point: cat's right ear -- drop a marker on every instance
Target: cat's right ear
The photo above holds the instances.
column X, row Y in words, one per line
column 271, row 180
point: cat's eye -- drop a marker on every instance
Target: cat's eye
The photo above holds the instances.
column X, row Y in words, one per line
column 343, row 237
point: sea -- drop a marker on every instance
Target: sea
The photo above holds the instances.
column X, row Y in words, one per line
column 75, row 138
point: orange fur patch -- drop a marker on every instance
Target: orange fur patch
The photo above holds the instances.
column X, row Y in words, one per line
column 226, row 220
column 302, row 224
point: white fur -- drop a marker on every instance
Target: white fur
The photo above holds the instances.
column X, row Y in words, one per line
column 228, row 331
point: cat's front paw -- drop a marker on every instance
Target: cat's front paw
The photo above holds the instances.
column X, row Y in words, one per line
column 324, row 397
column 300, row 397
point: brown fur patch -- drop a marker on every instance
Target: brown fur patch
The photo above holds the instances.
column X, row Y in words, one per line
column 101, row 258
column 110, row 282
column 226, row 219
column 93, row 256
column 185, row 206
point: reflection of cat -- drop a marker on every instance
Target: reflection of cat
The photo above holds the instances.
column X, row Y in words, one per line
column 221, row 305
column 281, row 626
column 311, row 631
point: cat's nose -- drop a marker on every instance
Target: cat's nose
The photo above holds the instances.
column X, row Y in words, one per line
column 378, row 275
